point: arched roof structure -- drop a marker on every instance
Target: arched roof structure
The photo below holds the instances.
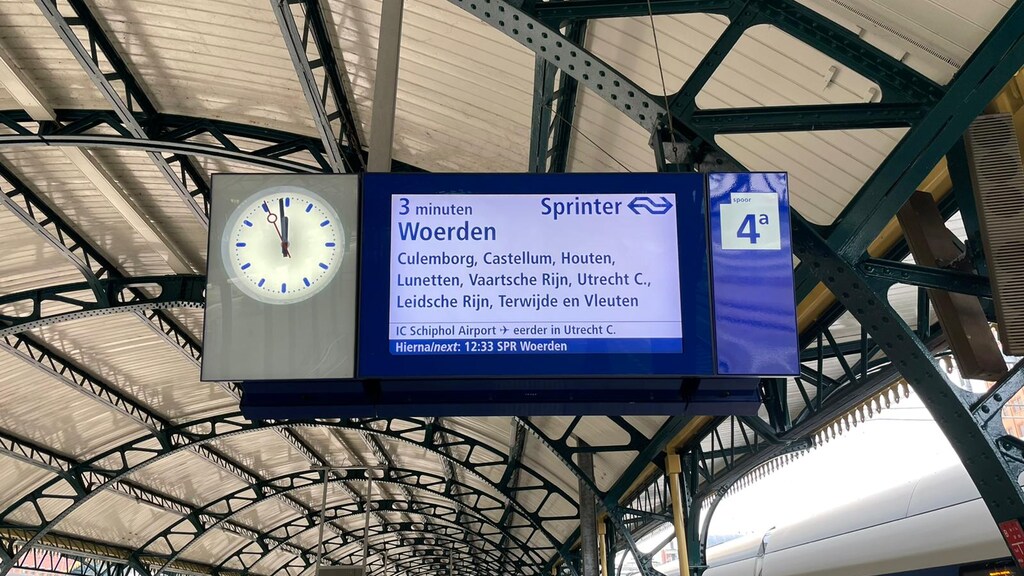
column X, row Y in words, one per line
column 113, row 116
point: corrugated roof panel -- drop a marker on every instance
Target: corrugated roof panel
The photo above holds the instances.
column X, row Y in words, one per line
column 191, row 319
column 464, row 93
column 768, row 67
column 272, row 561
column 124, row 351
column 605, row 140
column 66, row 189
column 29, row 260
column 223, row 60
column 934, row 37
column 264, row 452
column 142, row 180
column 188, row 477
column 34, row 45
column 356, row 34
column 826, row 169
column 627, row 44
column 18, row 478
column 115, row 518
column 214, row 546
column 266, row 515
column 45, row 411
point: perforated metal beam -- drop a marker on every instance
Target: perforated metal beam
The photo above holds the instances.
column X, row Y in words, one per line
column 554, row 110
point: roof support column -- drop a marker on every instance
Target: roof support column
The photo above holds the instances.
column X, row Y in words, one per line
column 588, row 515
column 675, row 468
column 385, row 86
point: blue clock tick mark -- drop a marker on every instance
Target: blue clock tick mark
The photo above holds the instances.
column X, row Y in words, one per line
column 262, row 280
column 287, row 202
column 247, row 223
column 306, row 281
column 324, row 266
column 246, row 265
column 330, row 244
column 325, row 223
column 309, row 207
column 284, row 288
column 240, row 244
column 265, row 209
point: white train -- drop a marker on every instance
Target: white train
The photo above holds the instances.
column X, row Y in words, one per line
column 936, row 526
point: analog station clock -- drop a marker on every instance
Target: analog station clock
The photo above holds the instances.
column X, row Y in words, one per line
column 283, row 244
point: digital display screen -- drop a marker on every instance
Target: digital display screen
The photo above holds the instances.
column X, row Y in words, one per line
column 534, row 273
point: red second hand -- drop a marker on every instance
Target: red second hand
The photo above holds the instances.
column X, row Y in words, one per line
column 272, row 218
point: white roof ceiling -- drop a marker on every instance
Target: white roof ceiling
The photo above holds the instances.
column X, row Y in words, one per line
column 464, row 104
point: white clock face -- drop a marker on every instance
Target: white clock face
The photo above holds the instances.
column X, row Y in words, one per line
column 283, row 245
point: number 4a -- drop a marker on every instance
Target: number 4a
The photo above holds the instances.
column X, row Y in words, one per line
column 748, row 227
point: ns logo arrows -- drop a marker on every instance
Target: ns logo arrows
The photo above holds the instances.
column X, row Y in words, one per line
column 648, row 204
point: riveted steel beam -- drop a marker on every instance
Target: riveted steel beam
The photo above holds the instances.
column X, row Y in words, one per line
column 898, row 80
column 806, row 118
column 309, row 57
column 554, row 110
column 189, row 183
column 927, row 277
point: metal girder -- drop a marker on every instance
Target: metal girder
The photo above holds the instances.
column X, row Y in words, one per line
column 188, row 181
column 65, row 239
column 991, row 66
column 138, row 453
column 927, row 277
column 898, row 81
column 114, row 295
column 315, row 24
column 551, row 128
column 992, row 458
column 179, row 136
column 805, row 118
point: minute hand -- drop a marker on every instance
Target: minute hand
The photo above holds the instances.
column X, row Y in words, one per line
column 284, row 229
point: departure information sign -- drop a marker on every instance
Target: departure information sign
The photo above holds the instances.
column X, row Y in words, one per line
column 505, row 275
column 534, row 273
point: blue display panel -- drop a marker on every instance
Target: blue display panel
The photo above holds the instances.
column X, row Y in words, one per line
column 534, row 275
column 752, row 260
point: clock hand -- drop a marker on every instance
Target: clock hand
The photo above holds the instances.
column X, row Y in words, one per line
column 272, row 218
column 284, row 227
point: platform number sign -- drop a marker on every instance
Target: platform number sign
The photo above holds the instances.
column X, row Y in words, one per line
column 750, row 221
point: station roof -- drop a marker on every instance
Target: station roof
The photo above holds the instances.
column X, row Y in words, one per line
column 113, row 115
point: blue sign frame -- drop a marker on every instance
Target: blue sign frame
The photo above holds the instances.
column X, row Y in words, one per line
column 688, row 191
